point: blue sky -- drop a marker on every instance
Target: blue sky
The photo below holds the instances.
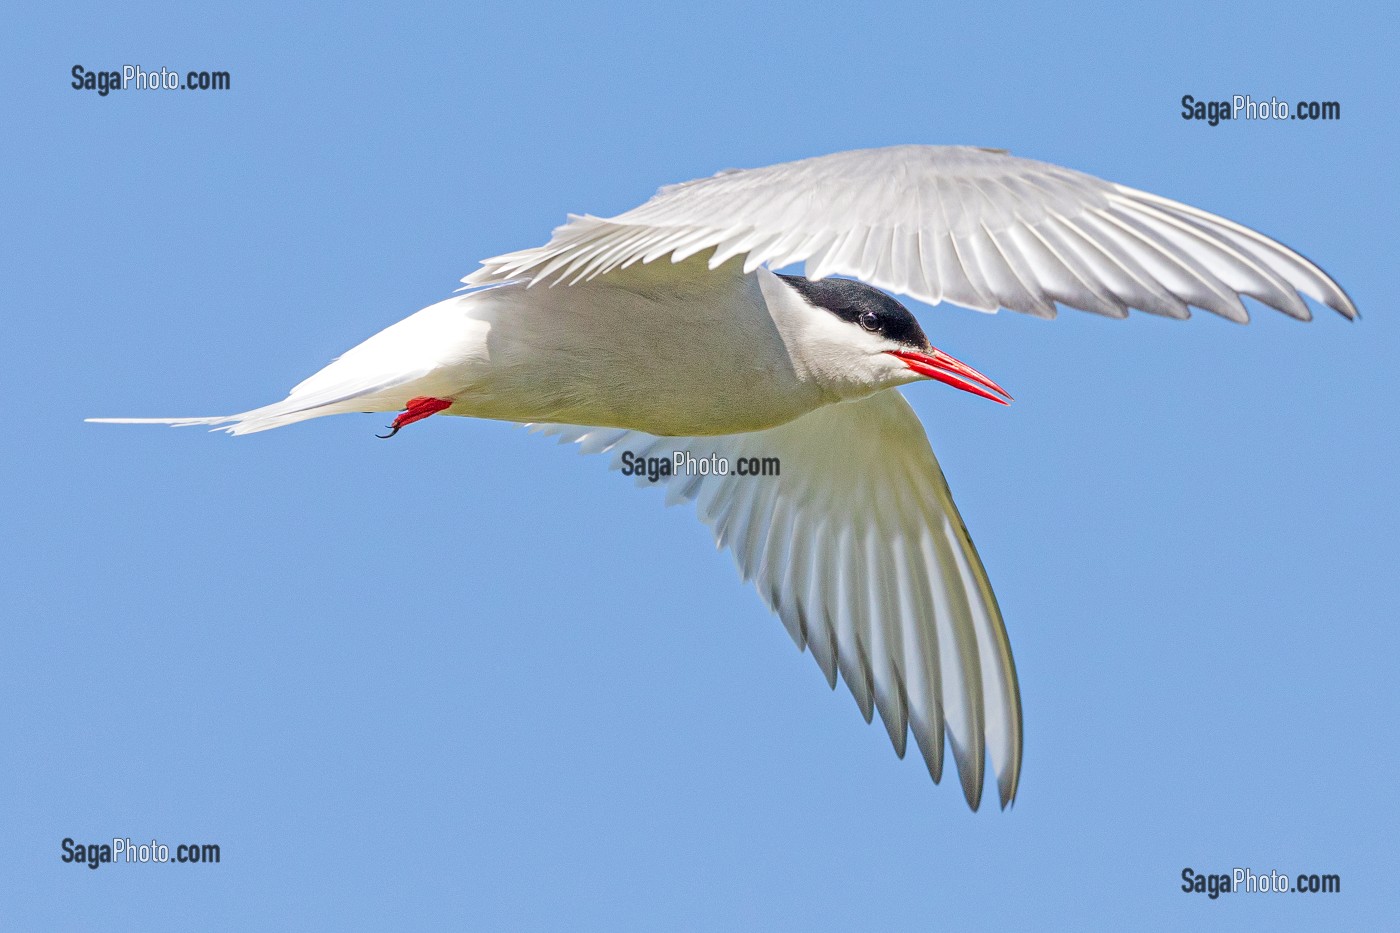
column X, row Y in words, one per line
column 468, row 678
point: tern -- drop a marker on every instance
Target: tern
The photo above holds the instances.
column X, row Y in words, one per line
column 856, row 544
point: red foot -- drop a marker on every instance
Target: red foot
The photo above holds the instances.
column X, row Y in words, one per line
column 416, row 410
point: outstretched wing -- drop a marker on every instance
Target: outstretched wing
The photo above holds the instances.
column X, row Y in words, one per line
column 856, row 544
column 976, row 227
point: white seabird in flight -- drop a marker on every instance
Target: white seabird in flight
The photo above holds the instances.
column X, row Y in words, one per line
column 856, row 545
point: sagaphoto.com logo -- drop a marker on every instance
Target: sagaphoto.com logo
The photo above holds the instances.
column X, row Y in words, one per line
column 121, row 849
column 134, row 77
column 1244, row 108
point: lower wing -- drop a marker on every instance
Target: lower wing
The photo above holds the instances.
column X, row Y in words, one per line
column 854, row 541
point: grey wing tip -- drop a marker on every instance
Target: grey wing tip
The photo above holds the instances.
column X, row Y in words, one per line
column 969, row 774
column 1006, row 789
column 973, row 794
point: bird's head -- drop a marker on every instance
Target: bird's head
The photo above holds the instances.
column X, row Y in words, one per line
column 869, row 341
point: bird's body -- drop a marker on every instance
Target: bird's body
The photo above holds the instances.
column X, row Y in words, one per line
column 856, row 543
column 627, row 350
column 632, row 349
column 636, row 350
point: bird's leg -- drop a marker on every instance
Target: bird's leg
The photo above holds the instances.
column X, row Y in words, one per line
column 416, row 410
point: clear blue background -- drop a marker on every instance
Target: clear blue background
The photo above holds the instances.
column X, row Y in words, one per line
column 467, row 678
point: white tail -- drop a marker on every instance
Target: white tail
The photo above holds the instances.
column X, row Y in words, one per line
column 381, row 374
column 299, row 406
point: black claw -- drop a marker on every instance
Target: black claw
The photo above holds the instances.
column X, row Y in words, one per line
column 393, row 429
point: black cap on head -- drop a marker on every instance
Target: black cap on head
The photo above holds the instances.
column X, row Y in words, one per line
column 863, row 306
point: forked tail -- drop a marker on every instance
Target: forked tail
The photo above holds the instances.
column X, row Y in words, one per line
column 418, row 360
column 299, row 406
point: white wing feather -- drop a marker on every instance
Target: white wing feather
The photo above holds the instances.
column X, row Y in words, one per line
column 858, row 548
column 975, row 227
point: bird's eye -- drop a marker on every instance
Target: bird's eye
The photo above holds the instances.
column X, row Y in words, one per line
column 870, row 321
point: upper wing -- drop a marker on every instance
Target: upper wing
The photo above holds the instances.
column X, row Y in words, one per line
column 857, row 545
column 976, row 227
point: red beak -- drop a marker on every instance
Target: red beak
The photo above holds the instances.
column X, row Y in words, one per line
column 942, row 367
